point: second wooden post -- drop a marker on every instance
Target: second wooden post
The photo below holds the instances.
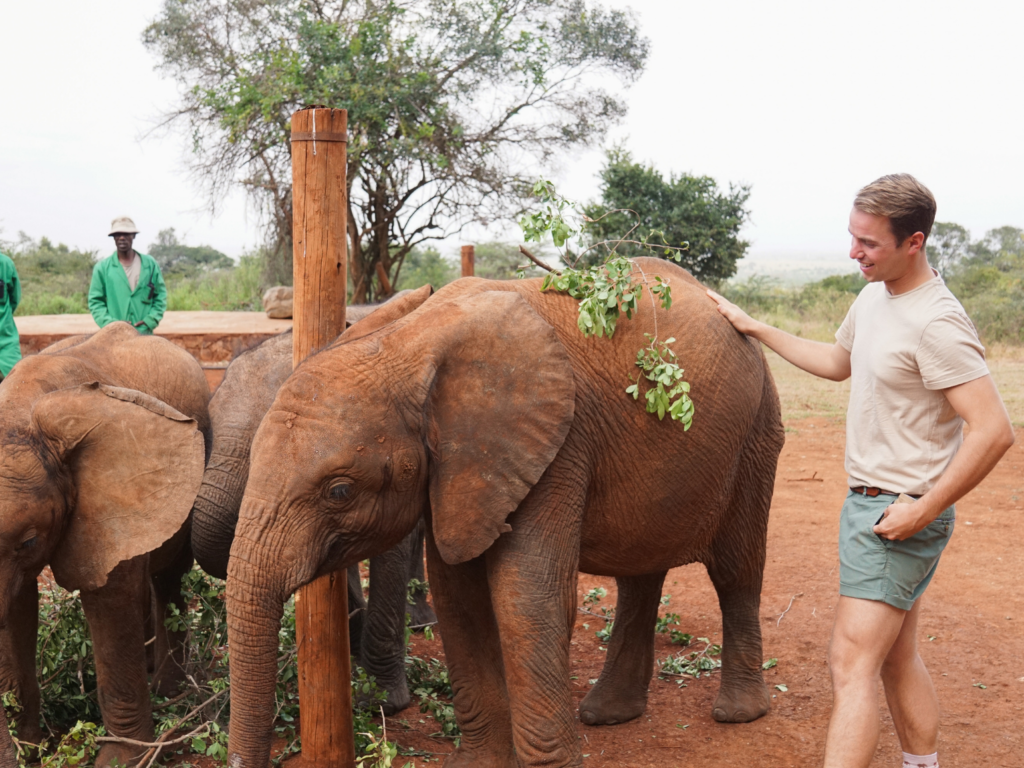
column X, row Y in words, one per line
column 319, row 270
column 468, row 257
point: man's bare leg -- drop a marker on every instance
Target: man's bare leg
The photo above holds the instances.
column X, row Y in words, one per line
column 909, row 691
column 863, row 635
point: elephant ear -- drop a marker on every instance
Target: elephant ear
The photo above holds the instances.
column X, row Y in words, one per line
column 500, row 406
column 385, row 314
column 136, row 464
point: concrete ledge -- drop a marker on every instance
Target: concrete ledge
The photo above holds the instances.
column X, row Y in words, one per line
column 212, row 338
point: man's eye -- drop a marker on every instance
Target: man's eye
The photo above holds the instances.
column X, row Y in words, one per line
column 339, row 491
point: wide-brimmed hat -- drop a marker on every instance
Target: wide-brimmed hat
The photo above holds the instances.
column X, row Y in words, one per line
column 123, row 224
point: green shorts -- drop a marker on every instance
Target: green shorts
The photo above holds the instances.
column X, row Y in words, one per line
column 893, row 572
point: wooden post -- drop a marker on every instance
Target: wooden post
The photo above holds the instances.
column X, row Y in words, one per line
column 319, row 270
column 468, row 255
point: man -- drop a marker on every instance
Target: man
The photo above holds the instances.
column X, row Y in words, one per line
column 127, row 285
column 10, row 296
column 919, row 373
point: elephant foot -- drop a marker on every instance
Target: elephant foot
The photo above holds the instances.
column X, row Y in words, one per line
column 741, row 705
column 398, row 698
column 480, row 757
column 118, row 755
column 605, row 705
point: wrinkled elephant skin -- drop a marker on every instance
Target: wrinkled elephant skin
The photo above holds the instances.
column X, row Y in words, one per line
column 238, row 406
column 101, row 457
column 485, row 411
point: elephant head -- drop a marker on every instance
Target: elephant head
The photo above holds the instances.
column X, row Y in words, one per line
column 90, row 475
column 455, row 410
column 236, row 410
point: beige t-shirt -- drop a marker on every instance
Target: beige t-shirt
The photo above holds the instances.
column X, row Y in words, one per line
column 901, row 432
column 133, row 271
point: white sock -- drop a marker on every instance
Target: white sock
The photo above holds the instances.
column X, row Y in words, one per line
column 920, row 761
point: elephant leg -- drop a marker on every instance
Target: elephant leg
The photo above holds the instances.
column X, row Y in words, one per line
column 736, row 568
column 116, row 626
column 421, row 615
column 18, row 659
column 169, row 647
column 383, row 641
column 356, row 613
column 472, row 650
column 621, row 690
column 532, row 572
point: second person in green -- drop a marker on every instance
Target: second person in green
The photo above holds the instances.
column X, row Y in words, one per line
column 10, row 296
column 127, row 285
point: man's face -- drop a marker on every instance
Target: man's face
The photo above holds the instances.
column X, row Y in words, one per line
column 874, row 248
column 123, row 241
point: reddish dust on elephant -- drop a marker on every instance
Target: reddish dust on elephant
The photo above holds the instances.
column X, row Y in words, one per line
column 485, row 410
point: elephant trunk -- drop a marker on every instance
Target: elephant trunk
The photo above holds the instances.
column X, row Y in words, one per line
column 255, row 604
column 215, row 512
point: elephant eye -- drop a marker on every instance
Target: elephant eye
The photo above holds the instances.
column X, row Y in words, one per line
column 29, row 543
column 339, row 491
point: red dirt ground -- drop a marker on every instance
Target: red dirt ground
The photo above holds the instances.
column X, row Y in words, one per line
column 974, row 612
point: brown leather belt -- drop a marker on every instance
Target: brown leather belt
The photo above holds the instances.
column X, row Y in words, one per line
column 864, row 490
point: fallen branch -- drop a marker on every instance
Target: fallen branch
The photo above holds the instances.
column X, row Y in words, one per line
column 534, row 259
column 150, row 744
column 794, row 597
column 812, row 479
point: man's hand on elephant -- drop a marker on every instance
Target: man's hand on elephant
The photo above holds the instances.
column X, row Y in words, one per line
column 741, row 321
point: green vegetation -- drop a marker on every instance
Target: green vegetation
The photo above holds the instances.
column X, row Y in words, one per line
column 55, row 278
column 689, row 211
column 986, row 275
column 68, row 684
column 176, row 258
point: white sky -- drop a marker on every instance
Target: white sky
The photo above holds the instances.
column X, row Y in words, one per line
column 805, row 101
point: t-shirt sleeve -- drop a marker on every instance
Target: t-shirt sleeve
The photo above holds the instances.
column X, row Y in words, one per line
column 845, row 333
column 950, row 352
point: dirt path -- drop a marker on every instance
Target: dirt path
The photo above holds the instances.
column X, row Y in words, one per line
column 974, row 612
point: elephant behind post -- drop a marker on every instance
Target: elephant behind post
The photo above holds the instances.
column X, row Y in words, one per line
column 486, row 411
column 377, row 628
column 101, row 455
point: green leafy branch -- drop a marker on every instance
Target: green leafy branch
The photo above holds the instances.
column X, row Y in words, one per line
column 610, row 290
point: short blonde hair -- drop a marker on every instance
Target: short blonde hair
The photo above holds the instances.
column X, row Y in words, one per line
column 906, row 202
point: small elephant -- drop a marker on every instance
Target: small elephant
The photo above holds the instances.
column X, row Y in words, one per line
column 485, row 412
column 101, row 455
column 377, row 629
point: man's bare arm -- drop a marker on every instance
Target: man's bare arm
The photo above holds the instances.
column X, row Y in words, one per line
column 829, row 361
column 990, row 436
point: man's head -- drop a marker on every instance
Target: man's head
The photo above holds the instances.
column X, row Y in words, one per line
column 890, row 222
column 123, row 230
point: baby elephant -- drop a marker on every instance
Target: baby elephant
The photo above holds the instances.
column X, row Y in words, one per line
column 101, row 455
column 238, row 406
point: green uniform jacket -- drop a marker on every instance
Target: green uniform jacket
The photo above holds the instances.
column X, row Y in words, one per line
column 10, row 296
column 111, row 299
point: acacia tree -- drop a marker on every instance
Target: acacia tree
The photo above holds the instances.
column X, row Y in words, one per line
column 685, row 209
column 453, row 105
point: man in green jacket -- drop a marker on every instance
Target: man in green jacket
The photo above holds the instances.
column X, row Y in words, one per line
column 127, row 285
column 10, row 295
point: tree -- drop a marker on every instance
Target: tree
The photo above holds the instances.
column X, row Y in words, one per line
column 1002, row 248
column 948, row 245
column 687, row 209
column 177, row 258
column 452, row 104
column 426, row 266
column 501, row 261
